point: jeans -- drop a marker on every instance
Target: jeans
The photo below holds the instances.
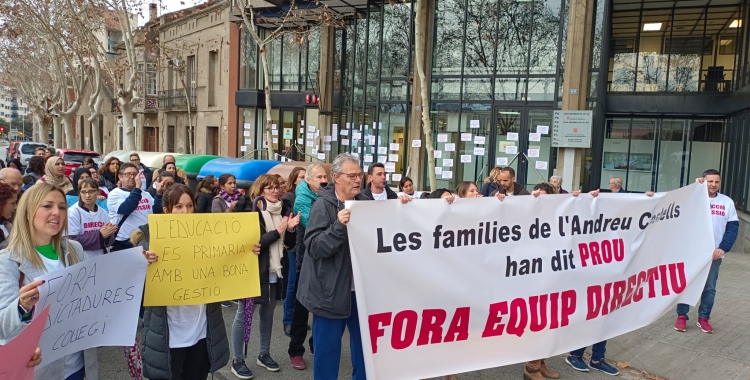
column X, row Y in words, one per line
column 266, row 325
column 708, row 295
column 327, row 334
column 597, row 351
column 189, row 363
column 291, row 288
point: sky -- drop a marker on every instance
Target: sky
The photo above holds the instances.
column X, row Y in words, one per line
column 167, row 6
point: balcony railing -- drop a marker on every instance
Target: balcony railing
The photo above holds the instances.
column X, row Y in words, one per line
column 176, row 99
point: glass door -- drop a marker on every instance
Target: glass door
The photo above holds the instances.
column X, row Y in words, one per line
column 509, row 141
column 541, row 154
column 290, row 135
column 522, row 140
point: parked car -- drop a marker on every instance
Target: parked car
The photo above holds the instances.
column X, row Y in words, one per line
column 26, row 150
column 74, row 158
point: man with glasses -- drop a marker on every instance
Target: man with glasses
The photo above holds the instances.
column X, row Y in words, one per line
column 329, row 265
column 129, row 206
column 12, row 177
column 143, row 171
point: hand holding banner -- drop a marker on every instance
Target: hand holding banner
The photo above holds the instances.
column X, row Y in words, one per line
column 93, row 303
column 448, row 288
column 17, row 354
column 203, row 258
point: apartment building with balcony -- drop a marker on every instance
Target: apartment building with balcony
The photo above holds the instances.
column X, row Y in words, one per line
column 193, row 79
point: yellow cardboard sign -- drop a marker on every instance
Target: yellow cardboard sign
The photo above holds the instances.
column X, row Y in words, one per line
column 203, row 258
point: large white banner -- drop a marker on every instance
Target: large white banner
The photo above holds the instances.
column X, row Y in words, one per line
column 93, row 303
column 482, row 283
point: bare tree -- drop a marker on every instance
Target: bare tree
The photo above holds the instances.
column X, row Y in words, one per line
column 420, row 39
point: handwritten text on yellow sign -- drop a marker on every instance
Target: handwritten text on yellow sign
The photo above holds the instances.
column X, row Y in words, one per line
column 203, row 258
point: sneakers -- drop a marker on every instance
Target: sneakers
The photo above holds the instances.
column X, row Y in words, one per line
column 604, row 367
column 298, row 362
column 577, row 363
column 240, row 370
column 287, row 330
column 226, row 304
column 681, row 324
column 705, row 326
column 268, row 363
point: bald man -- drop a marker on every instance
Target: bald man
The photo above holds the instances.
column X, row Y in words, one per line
column 13, row 178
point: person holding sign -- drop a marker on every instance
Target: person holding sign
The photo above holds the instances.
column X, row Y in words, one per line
column 277, row 230
column 181, row 342
column 468, row 189
column 325, row 286
column 37, row 247
column 228, row 194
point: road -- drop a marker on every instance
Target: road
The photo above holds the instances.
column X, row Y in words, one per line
column 112, row 365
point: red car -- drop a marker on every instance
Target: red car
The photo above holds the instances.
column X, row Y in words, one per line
column 74, row 158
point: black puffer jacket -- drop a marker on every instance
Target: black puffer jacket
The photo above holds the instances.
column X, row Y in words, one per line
column 155, row 336
column 264, row 258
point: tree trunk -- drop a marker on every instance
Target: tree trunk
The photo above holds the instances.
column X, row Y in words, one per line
column 419, row 57
column 70, row 137
column 128, row 131
column 45, row 122
column 267, row 90
column 57, row 131
column 96, row 115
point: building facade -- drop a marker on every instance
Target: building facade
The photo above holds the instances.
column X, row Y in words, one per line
column 666, row 81
column 193, row 82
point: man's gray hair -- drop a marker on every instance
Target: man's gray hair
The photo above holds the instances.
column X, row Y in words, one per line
column 618, row 181
column 558, row 178
column 338, row 162
column 310, row 169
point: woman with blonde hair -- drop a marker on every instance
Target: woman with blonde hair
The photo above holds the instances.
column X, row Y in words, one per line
column 490, row 182
column 37, row 247
column 55, row 175
column 277, row 230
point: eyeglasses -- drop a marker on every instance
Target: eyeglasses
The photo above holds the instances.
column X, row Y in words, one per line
column 271, row 189
column 89, row 192
column 354, row 176
column 129, row 174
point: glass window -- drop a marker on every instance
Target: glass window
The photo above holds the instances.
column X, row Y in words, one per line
column 514, row 36
column 373, row 45
column 544, row 38
column 396, row 41
column 391, row 129
column 449, row 34
column 292, row 47
column 313, row 59
column 274, row 62
column 248, row 122
column 673, row 155
column 679, row 49
column 248, row 62
column 705, row 150
column 481, row 37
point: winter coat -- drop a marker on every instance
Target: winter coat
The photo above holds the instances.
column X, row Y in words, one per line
column 155, row 352
column 204, row 200
column 303, row 202
column 368, row 192
column 489, row 188
column 264, row 258
column 325, row 281
column 10, row 322
column 517, row 190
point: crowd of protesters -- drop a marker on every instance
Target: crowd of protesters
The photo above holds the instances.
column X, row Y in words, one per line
column 303, row 258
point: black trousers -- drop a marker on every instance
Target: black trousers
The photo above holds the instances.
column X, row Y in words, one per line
column 298, row 329
column 189, row 363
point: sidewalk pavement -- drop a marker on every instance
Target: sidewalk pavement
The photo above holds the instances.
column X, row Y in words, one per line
column 695, row 355
column 654, row 352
